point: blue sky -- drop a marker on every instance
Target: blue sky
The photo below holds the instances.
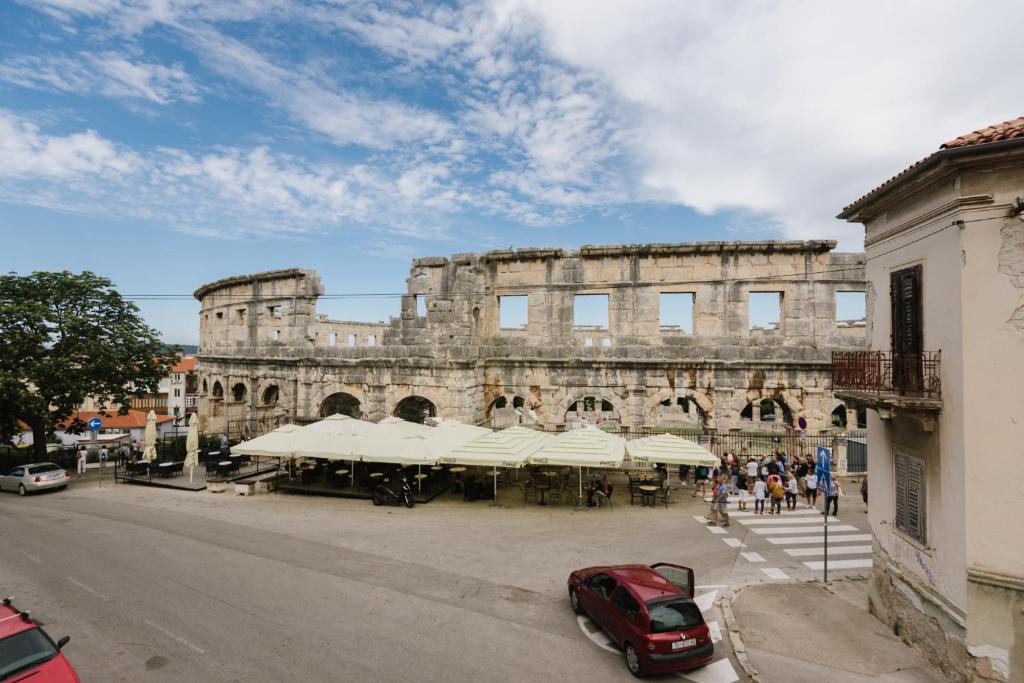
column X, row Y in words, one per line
column 166, row 144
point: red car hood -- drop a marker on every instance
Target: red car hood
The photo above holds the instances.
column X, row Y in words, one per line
column 57, row 670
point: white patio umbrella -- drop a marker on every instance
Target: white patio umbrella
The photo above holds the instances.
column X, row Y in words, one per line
column 275, row 444
column 421, row 447
column 192, row 446
column 149, row 454
column 510, row 447
column 587, row 447
column 669, row 449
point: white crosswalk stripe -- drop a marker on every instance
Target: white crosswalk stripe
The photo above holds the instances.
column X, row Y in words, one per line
column 753, row 557
column 764, row 521
column 820, row 539
column 840, row 564
column 775, row 573
column 839, row 550
column 817, row 528
column 734, row 543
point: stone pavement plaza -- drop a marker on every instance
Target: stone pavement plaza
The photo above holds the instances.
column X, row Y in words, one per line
column 159, row 584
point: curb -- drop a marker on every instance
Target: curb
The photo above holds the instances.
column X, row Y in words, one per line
column 739, row 649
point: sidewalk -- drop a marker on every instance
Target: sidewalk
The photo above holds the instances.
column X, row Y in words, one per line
column 799, row 632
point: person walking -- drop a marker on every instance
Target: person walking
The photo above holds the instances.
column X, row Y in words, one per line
column 811, row 488
column 741, row 484
column 751, row 469
column 832, row 497
column 82, row 457
column 721, row 502
column 801, row 472
column 777, row 491
column 225, row 446
column 864, row 491
column 103, row 455
column 700, row 478
column 791, row 492
column 760, row 493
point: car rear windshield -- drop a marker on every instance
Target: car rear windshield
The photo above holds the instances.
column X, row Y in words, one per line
column 673, row 616
column 23, row 650
column 39, row 469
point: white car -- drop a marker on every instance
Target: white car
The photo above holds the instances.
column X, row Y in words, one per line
column 36, row 476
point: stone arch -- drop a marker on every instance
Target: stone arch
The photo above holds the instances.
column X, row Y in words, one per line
column 218, row 389
column 415, row 408
column 510, row 409
column 239, row 391
column 205, row 387
column 703, row 402
column 271, row 395
column 618, row 412
column 341, row 403
column 440, row 399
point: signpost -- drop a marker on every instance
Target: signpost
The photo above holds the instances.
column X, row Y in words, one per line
column 822, row 470
column 94, row 426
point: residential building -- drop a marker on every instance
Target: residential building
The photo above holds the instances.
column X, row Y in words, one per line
column 183, row 389
column 944, row 246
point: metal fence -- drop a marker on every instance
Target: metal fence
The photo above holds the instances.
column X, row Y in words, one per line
column 856, row 455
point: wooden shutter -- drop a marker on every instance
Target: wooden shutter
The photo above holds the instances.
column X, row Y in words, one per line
column 911, row 499
column 905, row 299
column 902, row 466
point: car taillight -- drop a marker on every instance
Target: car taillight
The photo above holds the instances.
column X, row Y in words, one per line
column 37, row 479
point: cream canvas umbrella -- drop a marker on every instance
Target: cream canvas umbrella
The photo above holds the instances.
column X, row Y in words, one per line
column 510, row 447
column 192, row 446
column 276, row 444
column 587, row 447
column 149, row 454
column 669, row 449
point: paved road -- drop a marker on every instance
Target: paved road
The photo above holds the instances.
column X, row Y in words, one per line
column 167, row 585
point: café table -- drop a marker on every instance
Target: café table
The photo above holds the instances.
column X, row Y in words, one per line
column 648, row 491
column 165, row 468
column 341, row 473
column 436, row 468
column 457, row 470
column 376, row 475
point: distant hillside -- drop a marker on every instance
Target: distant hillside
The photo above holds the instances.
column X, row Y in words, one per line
column 186, row 349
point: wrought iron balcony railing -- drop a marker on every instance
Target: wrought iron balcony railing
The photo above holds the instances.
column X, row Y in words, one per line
column 886, row 372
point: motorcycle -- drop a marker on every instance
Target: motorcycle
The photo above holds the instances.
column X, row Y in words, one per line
column 384, row 495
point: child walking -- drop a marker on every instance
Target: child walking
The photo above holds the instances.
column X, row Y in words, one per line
column 760, row 493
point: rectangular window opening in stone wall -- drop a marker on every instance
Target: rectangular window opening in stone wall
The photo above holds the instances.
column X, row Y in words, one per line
column 421, row 306
column 851, row 308
column 332, row 339
column 590, row 311
column 910, row 496
column 371, row 340
column 351, row 341
column 241, row 315
column 675, row 312
column 513, row 312
column 274, row 311
column 764, row 311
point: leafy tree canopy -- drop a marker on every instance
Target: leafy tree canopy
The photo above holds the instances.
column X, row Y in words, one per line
column 65, row 337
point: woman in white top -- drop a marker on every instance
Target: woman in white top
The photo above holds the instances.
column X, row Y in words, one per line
column 751, row 468
column 791, row 491
column 760, row 493
column 812, row 488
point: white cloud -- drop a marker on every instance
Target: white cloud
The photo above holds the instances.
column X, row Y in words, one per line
column 29, row 154
column 107, row 73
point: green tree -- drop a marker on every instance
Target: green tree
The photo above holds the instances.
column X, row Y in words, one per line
column 65, row 337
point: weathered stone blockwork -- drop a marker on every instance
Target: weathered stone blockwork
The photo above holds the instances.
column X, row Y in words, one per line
column 261, row 331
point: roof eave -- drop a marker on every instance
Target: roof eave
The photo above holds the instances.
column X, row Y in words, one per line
column 851, row 212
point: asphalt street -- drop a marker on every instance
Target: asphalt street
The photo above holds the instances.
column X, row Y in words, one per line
column 167, row 585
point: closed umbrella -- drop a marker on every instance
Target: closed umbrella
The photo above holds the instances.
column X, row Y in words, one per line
column 149, row 454
column 192, row 445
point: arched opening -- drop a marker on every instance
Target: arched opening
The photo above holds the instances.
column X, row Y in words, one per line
column 205, row 388
column 238, row 392
column 681, row 411
column 341, row 403
column 218, row 390
column 271, row 395
column 503, row 413
column 592, row 410
column 839, row 417
column 415, row 409
column 518, row 402
column 767, row 411
column 499, row 402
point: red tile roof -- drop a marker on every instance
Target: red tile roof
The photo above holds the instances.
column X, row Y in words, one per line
column 1007, row 130
column 187, row 364
column 135, row 419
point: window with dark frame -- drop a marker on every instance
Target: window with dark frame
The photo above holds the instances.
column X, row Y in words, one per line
column 909, row 477
column 907, row 336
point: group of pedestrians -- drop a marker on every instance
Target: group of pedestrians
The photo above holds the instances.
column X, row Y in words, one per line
column 768, row 481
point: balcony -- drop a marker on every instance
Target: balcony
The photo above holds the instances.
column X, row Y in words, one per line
column 892, row 383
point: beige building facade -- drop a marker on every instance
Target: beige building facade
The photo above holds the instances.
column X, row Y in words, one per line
column 265, row 353
column 944, row 244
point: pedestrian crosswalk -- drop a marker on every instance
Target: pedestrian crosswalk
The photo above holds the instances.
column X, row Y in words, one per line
column 795, row 540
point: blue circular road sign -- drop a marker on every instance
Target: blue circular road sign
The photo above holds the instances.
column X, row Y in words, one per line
column 95, row 423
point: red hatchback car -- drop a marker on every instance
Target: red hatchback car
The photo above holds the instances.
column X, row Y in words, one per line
column 27, row 653
column 648, row 611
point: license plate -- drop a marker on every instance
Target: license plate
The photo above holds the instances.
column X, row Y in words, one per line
column 680, row 644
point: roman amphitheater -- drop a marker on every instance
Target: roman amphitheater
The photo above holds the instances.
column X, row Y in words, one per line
column 266, row 354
